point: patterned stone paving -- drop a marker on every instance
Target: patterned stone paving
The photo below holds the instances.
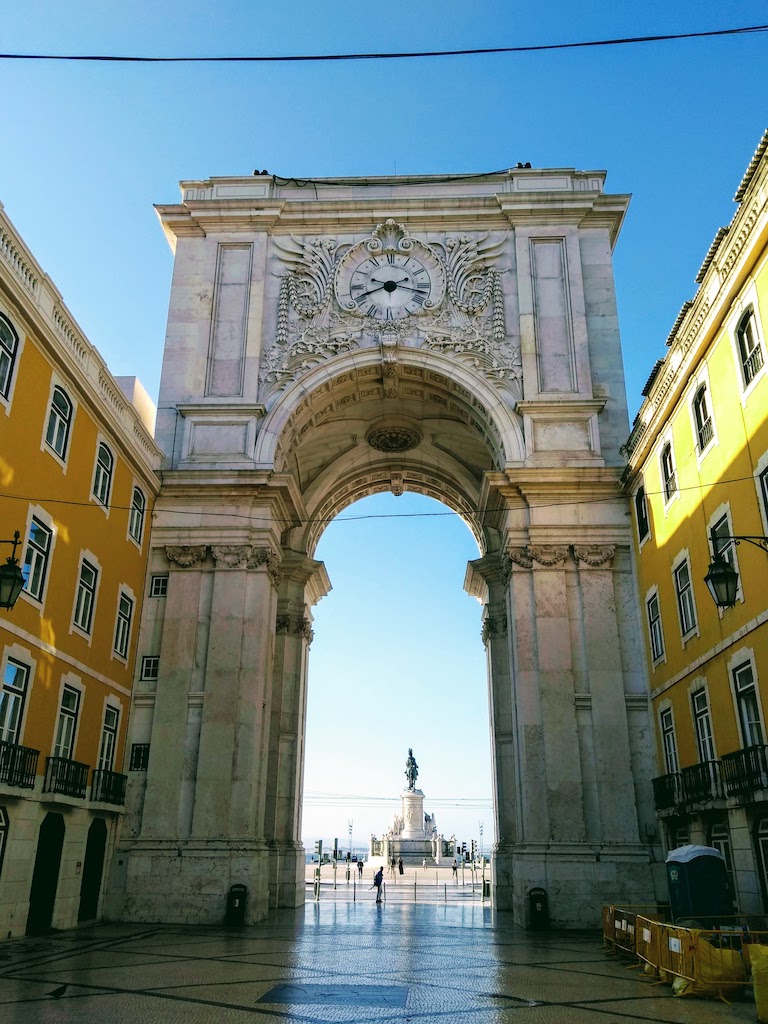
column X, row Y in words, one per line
column 332, row 961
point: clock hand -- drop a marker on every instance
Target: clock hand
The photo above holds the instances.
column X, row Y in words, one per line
column 370, row 291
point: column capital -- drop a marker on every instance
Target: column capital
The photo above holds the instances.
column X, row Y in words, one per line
column 186, row 555
column 295, row 625
column 594, row 555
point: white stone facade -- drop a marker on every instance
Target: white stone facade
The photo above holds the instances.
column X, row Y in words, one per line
column 457, row 338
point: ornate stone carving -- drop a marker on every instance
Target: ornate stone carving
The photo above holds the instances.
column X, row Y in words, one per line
column 230, row 556
column 595, row 555
column 521, row 557
column 493, row 627
column 548, row 555
column 295, row 626
column 186, row 555
column 393, row 438
column 267, row 558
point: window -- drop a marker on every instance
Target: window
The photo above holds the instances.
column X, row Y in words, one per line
column 641, row 513
column 108, row 739
column 3, row 834
column 66, row 726
column 86, row 596
column 668, row 742
column 720, row 840
column 763, row 483
column 12, row 698
column 654, row 627
column 684, row 592
column 720, row 533
column 158, row 586
column 136, row 515
column 37, row 558
column 59, row 422
column 748, row 705
column 668, row 475
column 102, row 477
column 705, row 431
column 750, row 349
column 702, row 721
column 150, row 666
column 123, row 625
column 9, row 343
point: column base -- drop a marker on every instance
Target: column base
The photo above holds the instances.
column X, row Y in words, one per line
column 287, row 871
column 186, row 882
column 578, row 879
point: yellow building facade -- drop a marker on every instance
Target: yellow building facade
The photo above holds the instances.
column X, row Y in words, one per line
column 78, row 482
column 698, row 477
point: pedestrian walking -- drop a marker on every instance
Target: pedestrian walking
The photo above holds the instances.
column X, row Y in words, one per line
column 360, row 868
column 400, row 865
column 424, row 863
column 455, row 869
column 378, row 880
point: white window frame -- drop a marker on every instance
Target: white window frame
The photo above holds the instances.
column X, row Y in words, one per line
column 761, row 486
column 119, row 634
column 695, row 691
column 138, row 541
column 741, row 659
column 110, row 705
column 724, row 512
column 671, row 765
column 666, row 442
column 43, row 517
column 61, row 459
column 150, row 668
column 99, row 472
column 641, row 540
column 660, row 659
column 158, row 576
column 6, row 399
column 684, row 559
column 701, row 380
column 75, row 627
column 20, row 656
column 72, row 682
column 744, row 303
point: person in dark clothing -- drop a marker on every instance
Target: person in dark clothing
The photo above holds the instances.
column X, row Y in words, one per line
column 400, row 865
column 378, row 879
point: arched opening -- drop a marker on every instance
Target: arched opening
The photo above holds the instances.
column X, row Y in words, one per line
column 397, row 661
column 45, row 877
column 93, row 869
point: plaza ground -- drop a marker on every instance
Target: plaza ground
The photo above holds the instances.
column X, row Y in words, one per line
column 334, row 960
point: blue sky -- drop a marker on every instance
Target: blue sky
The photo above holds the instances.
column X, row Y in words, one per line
column 87, row 150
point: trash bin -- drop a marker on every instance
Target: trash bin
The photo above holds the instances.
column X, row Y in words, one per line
column 698, row 883
column 237, row 897
column 538, row 909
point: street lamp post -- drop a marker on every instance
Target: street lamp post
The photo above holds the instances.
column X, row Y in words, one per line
column 722, row 579
column 11, row 576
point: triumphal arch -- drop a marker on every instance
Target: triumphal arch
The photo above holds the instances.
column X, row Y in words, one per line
column 328, row 339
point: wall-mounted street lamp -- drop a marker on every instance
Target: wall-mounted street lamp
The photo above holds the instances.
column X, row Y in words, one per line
column 722, row 579
column 11, row 576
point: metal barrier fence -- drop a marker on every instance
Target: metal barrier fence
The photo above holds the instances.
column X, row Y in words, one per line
column 713, row 960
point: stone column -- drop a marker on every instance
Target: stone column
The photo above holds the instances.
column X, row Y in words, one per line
column 304, row 582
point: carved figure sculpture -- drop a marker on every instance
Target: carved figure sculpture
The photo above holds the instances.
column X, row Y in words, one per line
column 411, row 769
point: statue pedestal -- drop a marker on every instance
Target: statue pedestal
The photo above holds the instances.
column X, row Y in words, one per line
column 413, row 815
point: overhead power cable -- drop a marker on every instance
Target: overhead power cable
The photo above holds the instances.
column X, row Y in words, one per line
column 400, row 55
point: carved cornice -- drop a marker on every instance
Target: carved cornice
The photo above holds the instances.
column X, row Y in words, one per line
column 295, row 625
column 186, row 555
column 492, row 627
column 267, row 558
column 521, row 557
column 595, row 555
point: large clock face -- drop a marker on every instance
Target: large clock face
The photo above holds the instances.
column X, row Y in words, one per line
column 390, row 286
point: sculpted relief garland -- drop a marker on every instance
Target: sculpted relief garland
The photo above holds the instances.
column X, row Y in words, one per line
column 391, row 289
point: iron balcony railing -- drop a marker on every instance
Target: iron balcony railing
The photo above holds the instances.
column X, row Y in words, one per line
column 702, row 782
column 706, row 433
column 667, row 791
column 139, row 757
column 752, row 364
column 746, row 770
column 65, row 776
column 108, row 787
column 18, row 765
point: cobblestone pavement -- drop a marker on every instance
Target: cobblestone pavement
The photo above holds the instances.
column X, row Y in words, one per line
column 333, row 961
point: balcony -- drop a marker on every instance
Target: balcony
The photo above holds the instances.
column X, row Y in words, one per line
column 746, row 771
column 702, row 782
column 752, row 364
column 108, row 787
column 64, row 776
column 18, row 765
column 668, row 791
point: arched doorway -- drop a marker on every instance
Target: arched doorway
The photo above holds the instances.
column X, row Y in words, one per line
column 93, row 869
column 45, row 877
column 320, row 351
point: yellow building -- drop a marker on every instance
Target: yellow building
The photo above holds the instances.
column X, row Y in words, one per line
column 78, row 481
column 698, row 476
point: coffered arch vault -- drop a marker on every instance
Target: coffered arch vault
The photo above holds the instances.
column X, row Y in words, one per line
column 454, row 336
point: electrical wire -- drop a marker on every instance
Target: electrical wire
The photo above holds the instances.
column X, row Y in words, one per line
column 401, row 55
